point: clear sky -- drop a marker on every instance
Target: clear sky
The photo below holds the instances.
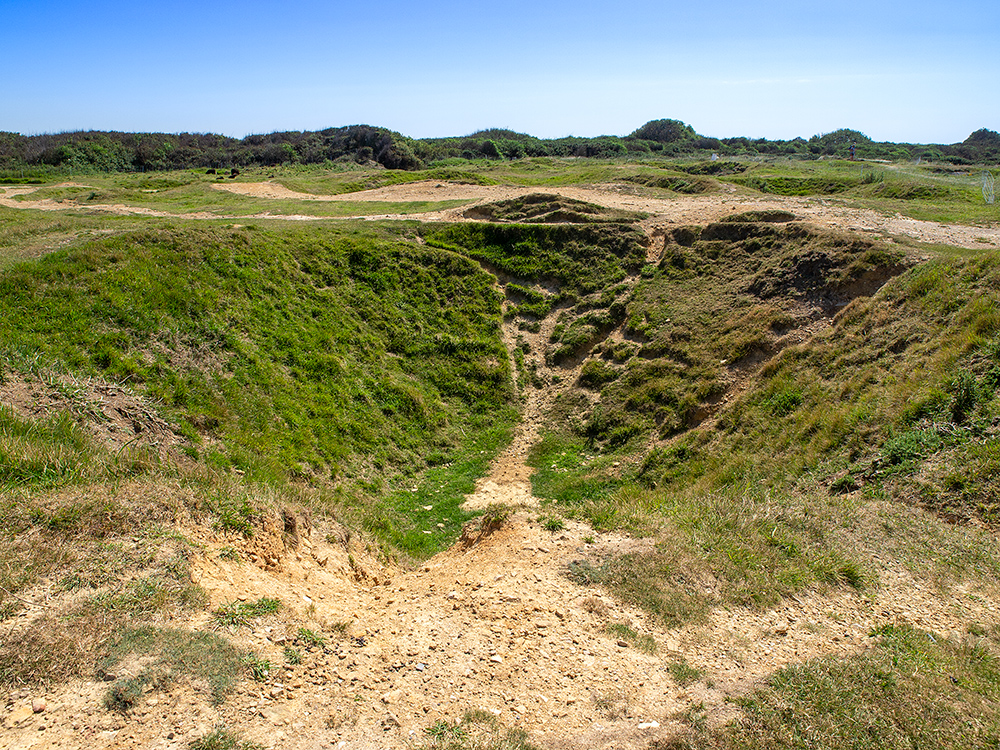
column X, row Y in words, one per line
column 923, row 72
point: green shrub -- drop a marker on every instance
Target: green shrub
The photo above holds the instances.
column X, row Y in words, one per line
column 596, row 373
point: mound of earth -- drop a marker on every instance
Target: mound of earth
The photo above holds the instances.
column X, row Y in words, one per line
column 547, row 208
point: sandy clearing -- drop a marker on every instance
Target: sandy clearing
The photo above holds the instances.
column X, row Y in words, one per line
column 699, row 209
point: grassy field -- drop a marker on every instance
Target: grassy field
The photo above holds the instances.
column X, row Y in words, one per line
column 920, row 191
column 190, row 192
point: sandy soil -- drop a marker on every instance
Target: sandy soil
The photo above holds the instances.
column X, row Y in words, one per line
column 681, row 210
column 492, row 624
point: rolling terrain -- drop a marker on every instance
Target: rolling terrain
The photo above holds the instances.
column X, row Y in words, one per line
column 546, row 454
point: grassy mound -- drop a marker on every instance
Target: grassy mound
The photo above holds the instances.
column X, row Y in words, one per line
column 299, row 352
column 750, row 446
column 545, row 208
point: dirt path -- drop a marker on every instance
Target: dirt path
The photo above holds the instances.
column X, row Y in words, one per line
column 494, row 626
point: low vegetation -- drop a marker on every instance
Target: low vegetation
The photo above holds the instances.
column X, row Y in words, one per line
column 543, row 208
column 910, row 688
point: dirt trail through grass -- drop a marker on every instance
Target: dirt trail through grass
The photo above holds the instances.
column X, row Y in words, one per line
column 492, row 624
column 679, row 210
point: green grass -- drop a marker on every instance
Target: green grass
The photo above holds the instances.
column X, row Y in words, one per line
column 478, row 730
column 204, row 656
column 241, row 613
column 741, row 547
column 426, row 518
column 919, row 192
column 909, row 689
column 898, row 398
column 323, row 346
column 222, row 738
column 192, row 193
column 546, row 208
column 310, row 638
column 354, row 369
column 259, row 669
column 581, row 259
column 642, row 641
column 683, row 673
column 75, row 536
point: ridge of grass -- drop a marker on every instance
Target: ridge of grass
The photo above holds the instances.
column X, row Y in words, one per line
column 301, row 350
column 897, row 399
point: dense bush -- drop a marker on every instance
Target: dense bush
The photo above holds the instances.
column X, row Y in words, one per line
column 117, row 152
column 125, row 152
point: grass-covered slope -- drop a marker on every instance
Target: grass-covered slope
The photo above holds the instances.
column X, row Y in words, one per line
column 579, row 259
column 222, row 376
column 770, row 388
column 302, row 352
column 901, row 396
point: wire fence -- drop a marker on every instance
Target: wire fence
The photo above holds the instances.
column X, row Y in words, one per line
column 988, row 185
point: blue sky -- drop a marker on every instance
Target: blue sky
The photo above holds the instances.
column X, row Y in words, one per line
column 925, row 72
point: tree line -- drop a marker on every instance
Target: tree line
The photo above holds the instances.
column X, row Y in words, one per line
column 130, row 152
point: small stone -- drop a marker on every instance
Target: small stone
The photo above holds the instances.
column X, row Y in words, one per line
column 38, row 705
column 496, row 659
column 622, row 644
column 393, row 696
column 649, row 725
column 390, row 721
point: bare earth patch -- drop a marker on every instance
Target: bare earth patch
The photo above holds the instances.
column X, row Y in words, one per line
column 680, row 210
column 494, row 626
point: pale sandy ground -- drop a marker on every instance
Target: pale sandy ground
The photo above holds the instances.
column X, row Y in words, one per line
column 681, row 210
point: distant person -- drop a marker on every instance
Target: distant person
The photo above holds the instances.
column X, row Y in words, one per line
column 851, row 149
